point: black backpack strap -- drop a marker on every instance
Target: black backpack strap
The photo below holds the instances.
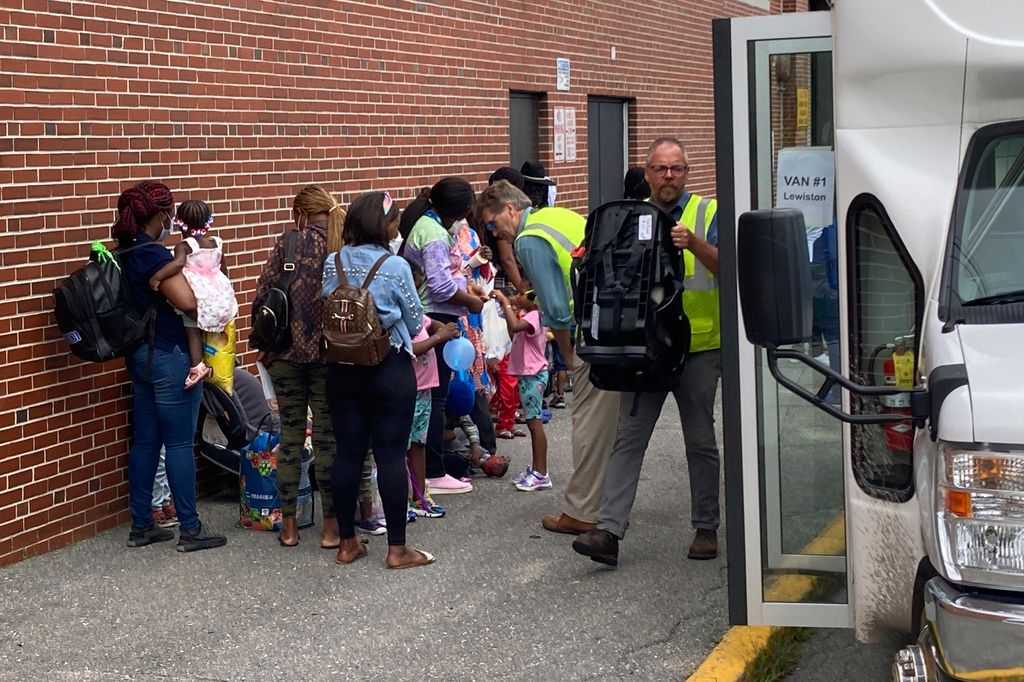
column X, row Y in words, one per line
column 149, row 317
column 288, row 269
column 149, row 324
column 339, row 268
column 374, row 269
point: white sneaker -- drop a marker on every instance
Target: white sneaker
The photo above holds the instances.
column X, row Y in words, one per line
column 522, row 475
column 534, row 482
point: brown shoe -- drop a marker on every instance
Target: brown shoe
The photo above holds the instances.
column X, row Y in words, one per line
column 564, row 523
column 599, row 545
column 704, row 545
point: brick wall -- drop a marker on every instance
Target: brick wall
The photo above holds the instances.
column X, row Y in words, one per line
column 240, row 103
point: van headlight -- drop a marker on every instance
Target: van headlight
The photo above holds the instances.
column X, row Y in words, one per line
column 980, row 509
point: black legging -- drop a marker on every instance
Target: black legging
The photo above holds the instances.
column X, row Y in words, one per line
column 372, row 406
column 438, row 398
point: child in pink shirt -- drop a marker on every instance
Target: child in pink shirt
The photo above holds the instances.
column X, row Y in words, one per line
column 425, row 364
column 529, row 363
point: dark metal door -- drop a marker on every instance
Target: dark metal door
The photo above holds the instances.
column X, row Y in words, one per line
column 606, row 127
column 522, row 127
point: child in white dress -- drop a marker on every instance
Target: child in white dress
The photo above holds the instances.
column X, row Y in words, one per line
column 200, row 257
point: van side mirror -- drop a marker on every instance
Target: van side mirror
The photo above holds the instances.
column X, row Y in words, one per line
column 774, row 273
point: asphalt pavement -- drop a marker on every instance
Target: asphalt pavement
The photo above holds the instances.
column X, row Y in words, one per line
column 506, row 599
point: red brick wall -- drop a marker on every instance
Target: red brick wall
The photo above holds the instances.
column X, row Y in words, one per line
column 240, row 103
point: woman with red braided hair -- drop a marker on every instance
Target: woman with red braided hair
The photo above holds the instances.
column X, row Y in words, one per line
column 165, row 412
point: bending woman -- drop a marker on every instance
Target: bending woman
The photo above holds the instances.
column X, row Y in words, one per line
column 427, row 226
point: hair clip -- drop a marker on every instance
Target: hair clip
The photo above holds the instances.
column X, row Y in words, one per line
column 388, row 203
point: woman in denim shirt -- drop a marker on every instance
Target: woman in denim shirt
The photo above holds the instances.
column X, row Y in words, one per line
column 373, row 406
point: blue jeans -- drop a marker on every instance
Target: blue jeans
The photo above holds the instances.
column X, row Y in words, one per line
column 165, row 415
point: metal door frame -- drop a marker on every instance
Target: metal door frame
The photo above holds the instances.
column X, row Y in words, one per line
column 735, row 51
column 763, row 50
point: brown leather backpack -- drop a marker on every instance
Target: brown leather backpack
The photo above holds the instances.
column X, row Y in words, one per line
column 352, row 331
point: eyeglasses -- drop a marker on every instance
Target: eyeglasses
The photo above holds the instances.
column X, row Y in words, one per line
column 388, row 203
column 490, row 225
column 663, row 170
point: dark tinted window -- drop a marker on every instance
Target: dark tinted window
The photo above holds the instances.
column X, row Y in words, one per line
column 886, row 306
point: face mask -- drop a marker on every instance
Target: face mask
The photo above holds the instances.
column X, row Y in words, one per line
column 166, row 232
column 457, row 227
column 396, row 244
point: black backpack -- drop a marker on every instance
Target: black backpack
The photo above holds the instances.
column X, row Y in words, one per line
column 96, row 311
column 628, row 299
column 272, row 321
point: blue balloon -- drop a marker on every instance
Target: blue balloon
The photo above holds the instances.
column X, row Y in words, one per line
column 459, row 354
column 461, row 394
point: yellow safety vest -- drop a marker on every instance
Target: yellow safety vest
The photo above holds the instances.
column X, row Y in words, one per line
column 564, row 230
column 700, row 294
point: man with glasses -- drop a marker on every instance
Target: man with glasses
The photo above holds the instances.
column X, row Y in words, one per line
column 544, row 242
column 696, row 236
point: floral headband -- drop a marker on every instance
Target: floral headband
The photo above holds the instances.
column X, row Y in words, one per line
column 184, row 227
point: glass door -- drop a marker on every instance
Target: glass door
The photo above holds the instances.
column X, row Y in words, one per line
column 784, row 458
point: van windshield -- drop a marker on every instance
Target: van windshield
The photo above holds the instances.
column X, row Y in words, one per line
column 989, row 243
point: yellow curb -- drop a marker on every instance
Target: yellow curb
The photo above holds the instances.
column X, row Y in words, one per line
column 729, row 660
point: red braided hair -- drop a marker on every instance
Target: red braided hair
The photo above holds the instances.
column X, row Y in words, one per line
column 137, row 205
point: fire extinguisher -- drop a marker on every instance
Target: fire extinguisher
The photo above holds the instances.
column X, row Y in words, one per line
column 898, row 371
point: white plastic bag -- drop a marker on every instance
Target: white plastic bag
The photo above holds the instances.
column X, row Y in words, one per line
column 495, row 338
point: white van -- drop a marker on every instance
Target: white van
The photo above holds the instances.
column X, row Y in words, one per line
column 881, row 485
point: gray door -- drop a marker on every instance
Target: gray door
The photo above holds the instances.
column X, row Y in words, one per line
column 606, row 129
column 522, row 127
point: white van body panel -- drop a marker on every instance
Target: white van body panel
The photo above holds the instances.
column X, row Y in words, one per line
column 994, row 355
column 938, row 349
column 906, row 104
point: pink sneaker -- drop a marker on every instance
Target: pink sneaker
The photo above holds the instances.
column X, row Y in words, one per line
column 447, row 485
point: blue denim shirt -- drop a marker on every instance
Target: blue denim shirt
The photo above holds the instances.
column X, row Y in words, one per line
column 393, row 289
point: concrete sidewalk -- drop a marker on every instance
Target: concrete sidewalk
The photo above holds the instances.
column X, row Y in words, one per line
column 505, row 600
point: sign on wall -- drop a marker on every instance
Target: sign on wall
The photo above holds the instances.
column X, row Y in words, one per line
column 565, row 134
column 803, row 108
column 562, row 74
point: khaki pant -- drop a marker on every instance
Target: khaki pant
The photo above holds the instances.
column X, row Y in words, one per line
column 595, row 415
